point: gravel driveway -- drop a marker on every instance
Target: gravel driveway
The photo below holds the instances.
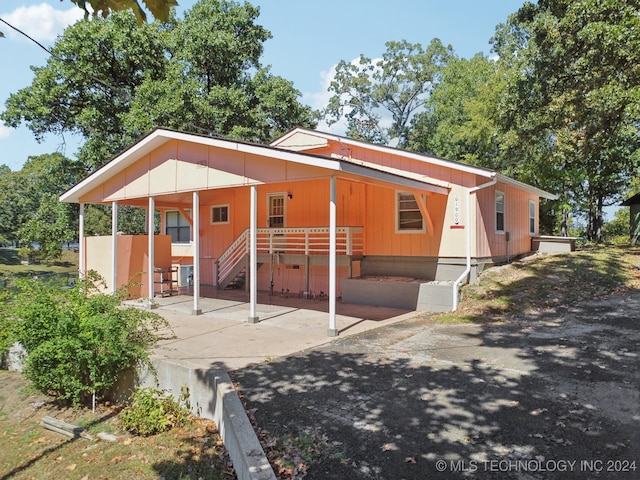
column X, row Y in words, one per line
column 555, row 395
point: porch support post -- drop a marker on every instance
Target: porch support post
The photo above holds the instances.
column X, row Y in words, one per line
column 151, row 228
column 253, row 256
column 114, row 246
column 82, row 268
column 332, row 330
column 196, row 253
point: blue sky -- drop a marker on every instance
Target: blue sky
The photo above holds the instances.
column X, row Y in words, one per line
column 309, row 38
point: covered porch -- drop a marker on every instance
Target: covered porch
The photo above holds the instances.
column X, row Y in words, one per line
column 193, row 175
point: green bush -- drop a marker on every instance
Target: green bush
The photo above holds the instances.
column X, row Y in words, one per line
column 153, row 411
column 78, row 341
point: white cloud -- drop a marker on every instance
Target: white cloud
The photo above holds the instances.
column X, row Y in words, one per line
column 5, row 132
column 41, row 22
column 320, row 99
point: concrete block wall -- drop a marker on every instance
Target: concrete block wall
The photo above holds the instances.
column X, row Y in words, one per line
column 415, row 295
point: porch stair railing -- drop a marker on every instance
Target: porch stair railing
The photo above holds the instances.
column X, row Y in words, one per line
column 295, row 241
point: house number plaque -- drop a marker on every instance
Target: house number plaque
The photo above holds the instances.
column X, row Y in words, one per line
column 456, row 213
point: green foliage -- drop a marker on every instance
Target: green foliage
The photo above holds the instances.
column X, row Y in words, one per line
column 5, row 332
column 573, row 107
column 617, row 230
column 78, row 341
column 30, row 211
column 461, row 118
column 111, row 82
column 48, row 227
column 397, row 84
column 153, row 411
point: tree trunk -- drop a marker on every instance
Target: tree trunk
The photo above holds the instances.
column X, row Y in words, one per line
column 564, row 223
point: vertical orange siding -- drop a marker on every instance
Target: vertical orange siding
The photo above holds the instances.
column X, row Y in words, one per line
column 516, row 221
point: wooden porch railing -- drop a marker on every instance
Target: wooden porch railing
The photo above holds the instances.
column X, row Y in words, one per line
column 300, row 241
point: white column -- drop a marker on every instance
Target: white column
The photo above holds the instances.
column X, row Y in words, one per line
column 82, row 268
column 332, row 331
column 196, row 254
column 253, row 256
column 151, row 228
column 114, row 247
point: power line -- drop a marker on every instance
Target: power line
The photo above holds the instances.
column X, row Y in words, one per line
column 116, row 90
column 71, row 64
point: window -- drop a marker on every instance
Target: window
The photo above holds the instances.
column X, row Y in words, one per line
column 220, row 214
column 532, row 217
column 178, row 227
column 499, row 212
column 409, row 218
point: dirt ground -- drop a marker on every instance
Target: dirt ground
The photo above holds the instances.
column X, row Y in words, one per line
column 545, row 396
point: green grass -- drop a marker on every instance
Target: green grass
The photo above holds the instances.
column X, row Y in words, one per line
column 10, row 265
column 30, row 451
column 542, row 282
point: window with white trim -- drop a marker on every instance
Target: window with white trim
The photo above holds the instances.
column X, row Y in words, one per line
column 220, row 214
column 499, row 212
column 532, row 217
column 177, row 226
column 408, row 215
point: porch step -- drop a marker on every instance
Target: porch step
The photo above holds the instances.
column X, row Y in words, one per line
column 238, row 281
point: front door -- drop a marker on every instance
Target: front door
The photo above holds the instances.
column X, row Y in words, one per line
column 276, row 220
column 276, row 210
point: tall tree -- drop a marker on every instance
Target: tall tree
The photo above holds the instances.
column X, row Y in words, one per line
column 578, row 98
column 461, row 116
column 396, row 85
column 89, row 83
column 23, row 193
column 112, row 82
column 215, row 83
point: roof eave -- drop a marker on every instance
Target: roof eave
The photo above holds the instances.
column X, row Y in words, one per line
column 524, row 186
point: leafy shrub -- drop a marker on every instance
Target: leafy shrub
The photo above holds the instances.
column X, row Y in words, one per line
column 153, row 411
column 78, row 340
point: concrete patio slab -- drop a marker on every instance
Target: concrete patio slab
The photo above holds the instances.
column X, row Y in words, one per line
column 222, row 336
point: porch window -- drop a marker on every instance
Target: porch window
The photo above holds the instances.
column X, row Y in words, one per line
column 499, row 212
column 178, row 227
column 532, row 217
column 220, row 214
column 409, row 218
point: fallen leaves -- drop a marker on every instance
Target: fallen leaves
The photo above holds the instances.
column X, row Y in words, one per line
column 38, row 440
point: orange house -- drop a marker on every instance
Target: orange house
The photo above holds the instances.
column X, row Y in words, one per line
column 312, row 214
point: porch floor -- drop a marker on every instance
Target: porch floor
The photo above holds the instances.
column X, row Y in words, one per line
column 221, row 336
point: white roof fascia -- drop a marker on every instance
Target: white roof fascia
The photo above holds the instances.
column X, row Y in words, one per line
column 395, row 151
column 161, row 136
column 527, row 187
column 419, row 157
